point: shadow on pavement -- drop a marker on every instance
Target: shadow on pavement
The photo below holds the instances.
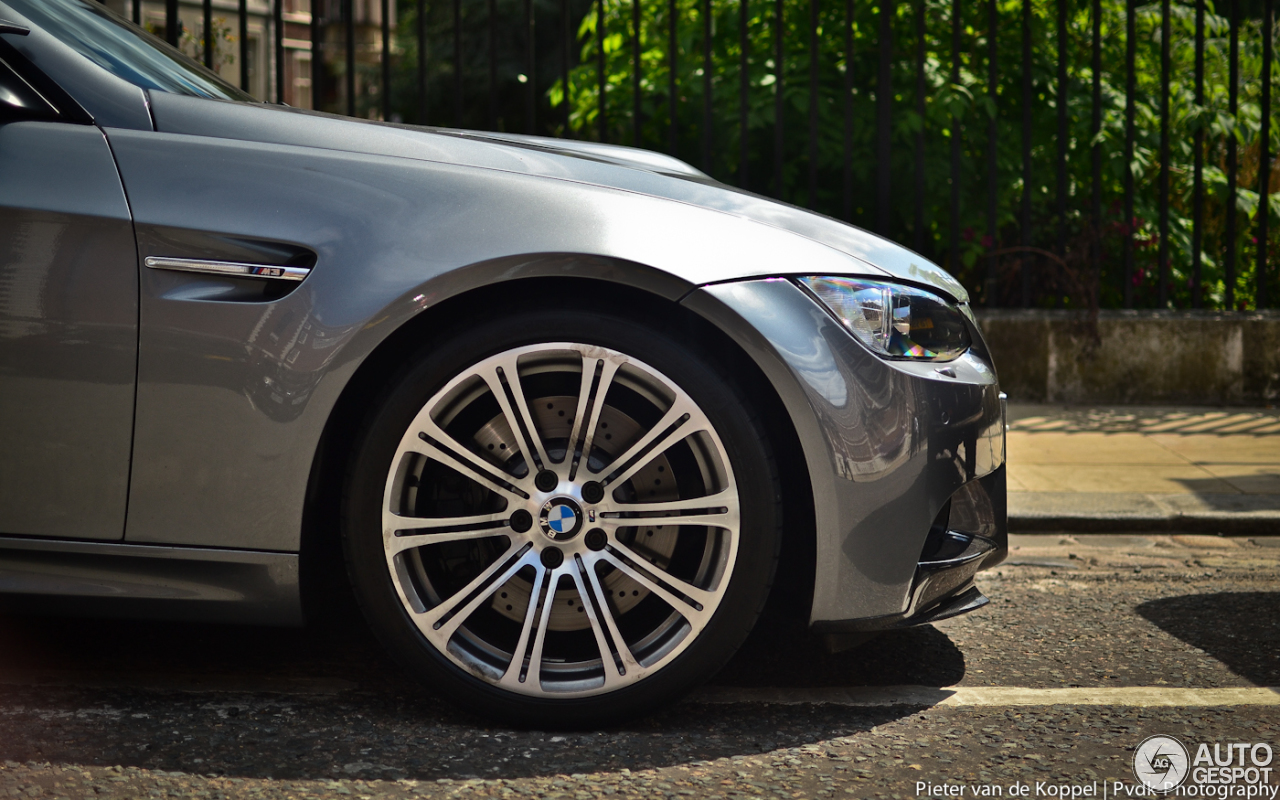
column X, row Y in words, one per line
column 389, row 727
column 1240, row 629
column 356, row 735
column 781, row 652
column 1236, row 493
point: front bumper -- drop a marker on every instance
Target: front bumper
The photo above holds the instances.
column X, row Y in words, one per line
column 954, row 552
column 905, row 462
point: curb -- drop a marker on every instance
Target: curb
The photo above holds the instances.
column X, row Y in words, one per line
column 1080, row 512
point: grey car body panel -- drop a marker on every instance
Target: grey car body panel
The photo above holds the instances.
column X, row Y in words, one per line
column 620, row 168
column 632, row 156
column 233, row 394
column 235, row 385
column 68, row 333
column 165, row 582
column 887, row 443
column 111, row 101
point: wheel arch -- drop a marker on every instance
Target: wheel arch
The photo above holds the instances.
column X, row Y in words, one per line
column 322, row 573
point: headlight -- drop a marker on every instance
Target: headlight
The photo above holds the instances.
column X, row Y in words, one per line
column 894, row 321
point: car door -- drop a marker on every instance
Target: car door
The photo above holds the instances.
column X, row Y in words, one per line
column 68, row 319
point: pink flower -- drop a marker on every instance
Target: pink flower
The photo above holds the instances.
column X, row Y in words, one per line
column 987, row 241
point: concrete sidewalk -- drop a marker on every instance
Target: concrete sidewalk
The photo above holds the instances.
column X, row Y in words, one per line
column 1144, row 469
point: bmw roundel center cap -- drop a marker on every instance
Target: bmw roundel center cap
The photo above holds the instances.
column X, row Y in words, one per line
column 561, row 518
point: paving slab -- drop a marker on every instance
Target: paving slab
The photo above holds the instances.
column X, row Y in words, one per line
column 1220, row 448
column 1248, row 478
column 1088, row 447
column 1144, row 469
column 1098, row 479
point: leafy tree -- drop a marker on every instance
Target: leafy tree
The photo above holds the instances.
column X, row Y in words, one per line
column 1068, row 257
column 962, row 108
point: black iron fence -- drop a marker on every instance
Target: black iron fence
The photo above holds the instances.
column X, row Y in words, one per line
column 1069, row 153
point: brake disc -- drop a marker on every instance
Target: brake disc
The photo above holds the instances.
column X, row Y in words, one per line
column 554, row 418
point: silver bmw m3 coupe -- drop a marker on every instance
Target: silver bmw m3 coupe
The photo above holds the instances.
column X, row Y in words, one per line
column 555, row 410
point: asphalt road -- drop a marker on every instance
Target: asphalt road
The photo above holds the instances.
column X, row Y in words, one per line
column 134, row 710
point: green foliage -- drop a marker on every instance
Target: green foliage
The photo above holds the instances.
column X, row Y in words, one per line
column 1082, row 264
column 963, row 109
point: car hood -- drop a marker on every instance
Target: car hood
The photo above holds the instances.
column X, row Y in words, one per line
column 612, row 166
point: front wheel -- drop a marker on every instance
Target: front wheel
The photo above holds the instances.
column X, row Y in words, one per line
column 562, row 519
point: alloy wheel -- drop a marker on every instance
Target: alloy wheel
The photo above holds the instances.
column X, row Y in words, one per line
column 560, row 520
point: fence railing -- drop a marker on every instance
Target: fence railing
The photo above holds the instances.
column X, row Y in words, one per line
column 1049, row 152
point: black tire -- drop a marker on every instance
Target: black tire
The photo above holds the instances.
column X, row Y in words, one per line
column 740, row 600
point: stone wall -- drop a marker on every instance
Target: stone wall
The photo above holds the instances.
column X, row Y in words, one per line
column 1136, row 357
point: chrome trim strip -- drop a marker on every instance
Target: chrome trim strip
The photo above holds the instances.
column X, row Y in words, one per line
column 231, row 268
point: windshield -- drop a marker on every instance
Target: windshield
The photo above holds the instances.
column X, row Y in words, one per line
column 124, row 49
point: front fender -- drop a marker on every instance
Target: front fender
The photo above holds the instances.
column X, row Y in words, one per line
column 234, row 392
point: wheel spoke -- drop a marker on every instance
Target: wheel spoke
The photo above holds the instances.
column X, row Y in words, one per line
column 504, row 381
column 683, row 419
column 442, row 621
column 630, row 665
column 435, row 530
column 534, row 675
column 591, row 397
column 440, row 446
column 718, row 510
column 538, row 613
column 612, row 674
column 695, row 605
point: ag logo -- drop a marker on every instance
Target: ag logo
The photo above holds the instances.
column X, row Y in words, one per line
column 1161, row 763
